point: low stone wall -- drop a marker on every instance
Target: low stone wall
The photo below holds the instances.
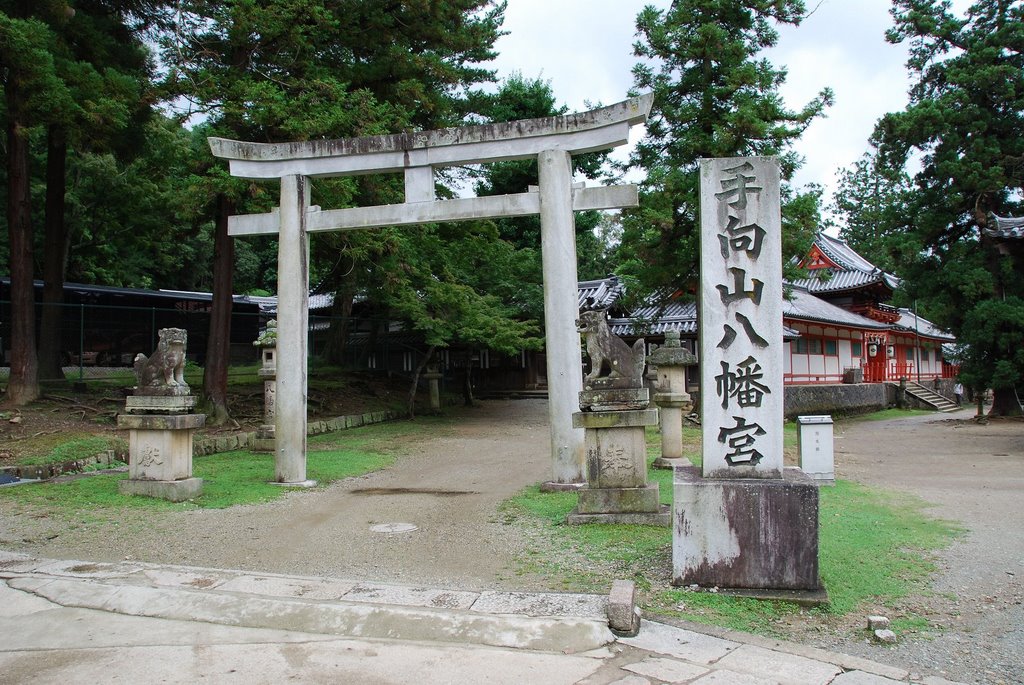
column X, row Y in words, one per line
column 108, row 458
column 838, row 399
column 241, row 441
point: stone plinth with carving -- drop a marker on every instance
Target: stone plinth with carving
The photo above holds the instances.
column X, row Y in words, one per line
column 614, row 416
column 671, row 360
column 160, row 426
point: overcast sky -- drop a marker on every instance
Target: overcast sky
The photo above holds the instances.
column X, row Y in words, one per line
column 584, row 48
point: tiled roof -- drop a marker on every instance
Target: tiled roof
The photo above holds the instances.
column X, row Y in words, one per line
column 1006, row 228
column 654, row 320
column 807, row 307
column 923, row 327
column 601, row 293
column 856, row 272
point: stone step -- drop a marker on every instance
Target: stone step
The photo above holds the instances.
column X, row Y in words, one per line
column 925, row 395
column 556, row 622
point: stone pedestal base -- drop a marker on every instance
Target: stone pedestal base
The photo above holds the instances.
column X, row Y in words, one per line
column 264, row 440
column 160, row 455
column 667, row 464
column 172, row 490
column 745, row 533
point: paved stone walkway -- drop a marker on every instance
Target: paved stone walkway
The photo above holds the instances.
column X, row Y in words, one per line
column 78, row 621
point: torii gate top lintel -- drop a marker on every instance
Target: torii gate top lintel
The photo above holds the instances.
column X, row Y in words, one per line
column 597, row 129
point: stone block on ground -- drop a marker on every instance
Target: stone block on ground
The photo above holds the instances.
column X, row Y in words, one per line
column 885, row 636
column 745, row 533
column 171, row 490
column 877, row 622
column 623, row 615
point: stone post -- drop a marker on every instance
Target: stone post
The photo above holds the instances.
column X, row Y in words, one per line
column 433, row 376
column 293, row 331
column 816, row 446
column 561, row 307
column 671, row 360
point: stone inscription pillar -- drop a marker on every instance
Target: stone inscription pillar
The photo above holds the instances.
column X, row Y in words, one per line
column 561, row 309
column 292, row 333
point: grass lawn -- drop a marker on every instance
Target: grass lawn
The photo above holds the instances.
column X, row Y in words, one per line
column 874, row 548
column 240, row 477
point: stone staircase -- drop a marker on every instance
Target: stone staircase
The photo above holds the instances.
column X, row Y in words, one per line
column 930, row 397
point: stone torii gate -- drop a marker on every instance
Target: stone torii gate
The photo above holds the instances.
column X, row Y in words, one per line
column 552, row 140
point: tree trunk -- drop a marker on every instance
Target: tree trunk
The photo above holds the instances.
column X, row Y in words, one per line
column 416, row 380
column 55, row 257
column 1004, row 403
column 467, row 382
column 341, row 313
column 23, row 386
column 218, row 342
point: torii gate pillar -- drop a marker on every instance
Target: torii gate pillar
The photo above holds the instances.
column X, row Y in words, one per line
column 561, row 309
column 292, row 338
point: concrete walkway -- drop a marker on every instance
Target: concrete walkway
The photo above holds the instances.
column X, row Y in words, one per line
column 77, row 621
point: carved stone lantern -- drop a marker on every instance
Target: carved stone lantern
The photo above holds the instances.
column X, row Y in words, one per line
column 267, row 342
column 671, row 360
column 433, row 375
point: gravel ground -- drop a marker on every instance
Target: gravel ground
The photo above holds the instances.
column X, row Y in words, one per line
column 973, row 474
column 450, row 486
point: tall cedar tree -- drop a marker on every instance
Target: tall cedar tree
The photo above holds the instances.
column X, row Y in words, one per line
column 296, row 70
column 100, row 55
column 32, row 91
column 713, row 97
column 871, row 202
column 964, row 122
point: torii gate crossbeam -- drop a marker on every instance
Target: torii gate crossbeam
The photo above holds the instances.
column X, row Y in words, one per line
column 552, row 140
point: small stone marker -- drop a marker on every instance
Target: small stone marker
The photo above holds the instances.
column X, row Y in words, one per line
column 877, row 622
column 885, row 636
column 815, row 445
column 623, row 614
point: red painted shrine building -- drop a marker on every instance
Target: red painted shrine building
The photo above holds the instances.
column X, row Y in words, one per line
column 857, row 329
column 839, row 327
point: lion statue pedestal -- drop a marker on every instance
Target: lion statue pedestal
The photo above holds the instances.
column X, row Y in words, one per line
column 159, row 425
column 614, row 413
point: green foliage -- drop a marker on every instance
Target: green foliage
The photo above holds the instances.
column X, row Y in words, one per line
column 714, row 96
column 872, row 204
column 993, row 354
column 873, row 545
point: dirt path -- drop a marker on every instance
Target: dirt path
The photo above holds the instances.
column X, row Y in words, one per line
column 449, row 488
column 973, row 474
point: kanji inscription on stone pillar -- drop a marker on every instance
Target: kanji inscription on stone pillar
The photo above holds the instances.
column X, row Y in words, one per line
column 741, row 318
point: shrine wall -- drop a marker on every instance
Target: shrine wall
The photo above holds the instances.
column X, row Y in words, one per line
column 839, row 399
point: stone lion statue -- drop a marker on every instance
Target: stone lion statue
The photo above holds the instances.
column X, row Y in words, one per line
column 166, row 366
column 610, row 357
